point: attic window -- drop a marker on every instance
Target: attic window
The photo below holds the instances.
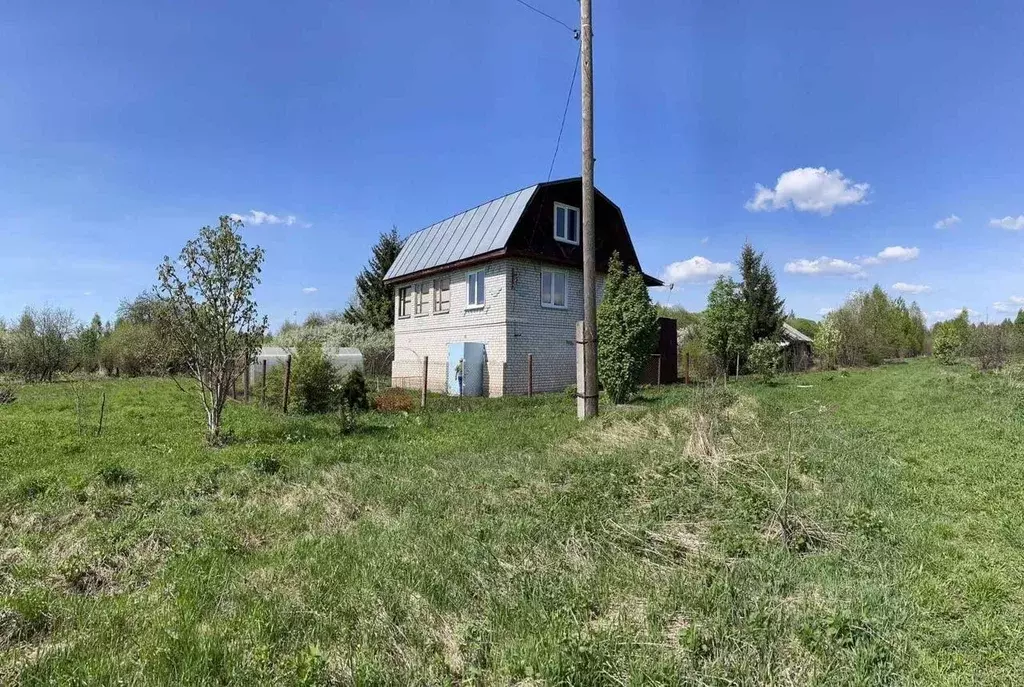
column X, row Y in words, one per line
column 567, row 224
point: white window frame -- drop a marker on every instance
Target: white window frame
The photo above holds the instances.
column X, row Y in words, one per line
column 471, row 295
column 421, row 299
column 404, row 305
column 565, row 290
column 564, row 238
column 440, row 306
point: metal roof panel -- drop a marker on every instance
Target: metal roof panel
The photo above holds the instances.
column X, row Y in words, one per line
column 476, row 231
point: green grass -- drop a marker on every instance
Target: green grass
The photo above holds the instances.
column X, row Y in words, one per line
column 860, row 528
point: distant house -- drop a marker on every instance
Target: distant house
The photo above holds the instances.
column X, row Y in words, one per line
column 797, row 349
column 508, row 275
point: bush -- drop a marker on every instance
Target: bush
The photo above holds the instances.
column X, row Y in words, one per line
column 764, row 359
column 314, row 380
column 41, row 344
column 377, row 347
column 627, row 326
column 393, row 400
column 950, row 338
column 353, row 392
column 134, row 350
column 990, row 344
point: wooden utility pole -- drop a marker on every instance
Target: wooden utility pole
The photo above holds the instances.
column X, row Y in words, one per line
column 586, row 402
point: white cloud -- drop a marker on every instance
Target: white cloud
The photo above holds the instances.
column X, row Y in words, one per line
column 899, row 254
column 823, row 312
column 825, row 266
column 947, row 222
column 1008, row 223
column 87, row 293
column 891, row 254
column 705, row 240
column 310, row 289
column 696, row 269
column 903, row 287
column 1013, row 304
column 258, row 217
column 808, row 189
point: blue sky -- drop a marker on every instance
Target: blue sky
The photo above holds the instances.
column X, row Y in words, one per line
column 125, row 126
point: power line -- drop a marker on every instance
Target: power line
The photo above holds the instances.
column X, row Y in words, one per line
column 575, row 32
column 568, row 97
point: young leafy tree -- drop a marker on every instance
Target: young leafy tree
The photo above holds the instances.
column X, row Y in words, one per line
column 374, row 303
column 828, row 342
column 726, row 325
column 627, row 330
column 89, row 340
column 213, row 317
column 766, row 311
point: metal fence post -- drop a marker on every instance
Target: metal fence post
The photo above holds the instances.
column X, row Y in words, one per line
column 247, row 382
column 263, row 393
column 287, row 381
column 687, row 377
column 529, row 374
column 423, row 390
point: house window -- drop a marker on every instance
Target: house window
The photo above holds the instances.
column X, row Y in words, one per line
column 442, row 294
column 421, row 293
column 567, row 224
column 475, row 289
column 552, row 289
column 404, row 301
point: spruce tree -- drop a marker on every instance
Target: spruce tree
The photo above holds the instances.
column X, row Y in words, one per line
column 761, row 294
column 374, row 303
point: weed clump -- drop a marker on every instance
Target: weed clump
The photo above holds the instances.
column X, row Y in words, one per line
column 268, row 465
column 709, row 422
column 7, row 396
column 115, row 475
column 393, row 401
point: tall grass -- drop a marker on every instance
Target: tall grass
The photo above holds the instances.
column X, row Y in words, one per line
column 857, row 529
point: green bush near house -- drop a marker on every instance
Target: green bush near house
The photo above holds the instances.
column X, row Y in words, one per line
column 627, row 331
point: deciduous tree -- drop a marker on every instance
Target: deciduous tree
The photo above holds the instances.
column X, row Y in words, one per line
column 213, row 318
column 726, row 324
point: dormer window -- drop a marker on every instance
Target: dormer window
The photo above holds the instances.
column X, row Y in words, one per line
column 567, row 224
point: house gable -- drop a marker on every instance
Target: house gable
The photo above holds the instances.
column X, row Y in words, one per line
column 534, row 233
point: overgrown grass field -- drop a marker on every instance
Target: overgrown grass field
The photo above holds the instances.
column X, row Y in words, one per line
column 838, row 528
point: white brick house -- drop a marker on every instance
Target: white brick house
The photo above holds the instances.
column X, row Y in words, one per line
column 507, row 274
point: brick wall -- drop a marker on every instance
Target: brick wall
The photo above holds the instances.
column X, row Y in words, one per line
column 429, row 334
column 512, row 324
column 547, row 333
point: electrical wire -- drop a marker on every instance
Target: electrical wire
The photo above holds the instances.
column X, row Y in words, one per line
column 542, row 13
column 565, row 111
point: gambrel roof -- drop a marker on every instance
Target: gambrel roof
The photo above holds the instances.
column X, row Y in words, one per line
column 513, row 225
